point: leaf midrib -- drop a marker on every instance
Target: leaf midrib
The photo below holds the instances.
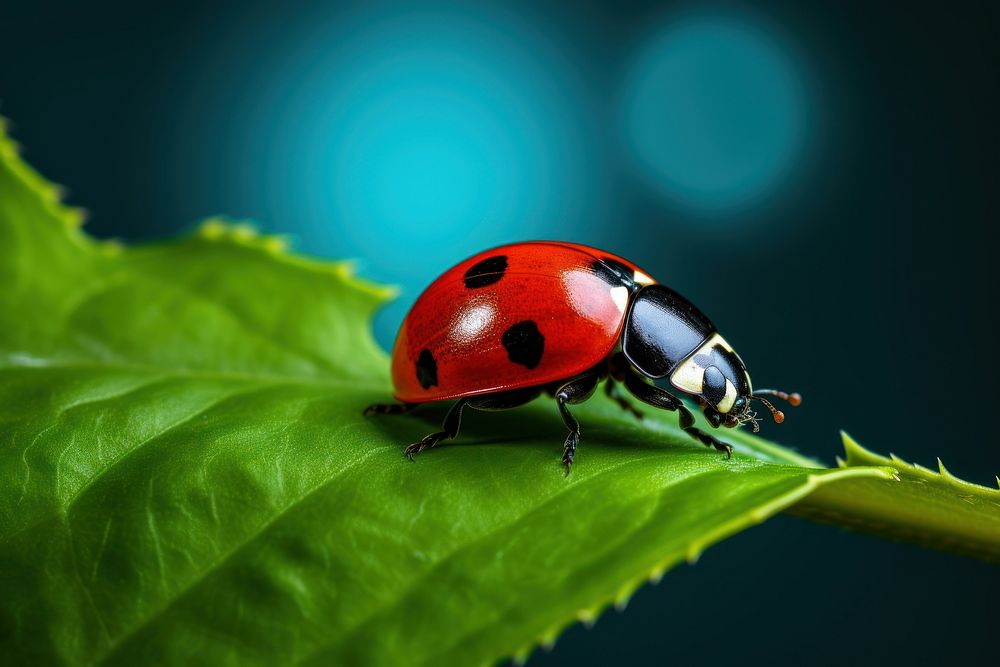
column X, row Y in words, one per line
column 61, row 511
column 124, row 456
column 162, row 375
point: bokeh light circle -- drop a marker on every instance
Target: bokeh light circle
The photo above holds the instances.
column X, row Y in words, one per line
column 714, row 112
column 406, row 137
column 428, row 150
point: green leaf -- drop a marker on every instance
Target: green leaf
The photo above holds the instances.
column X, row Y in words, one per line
column 934, row 509
column 187, row 477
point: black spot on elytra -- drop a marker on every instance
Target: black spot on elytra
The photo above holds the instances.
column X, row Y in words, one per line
column 427, row 370
column 614, row 273
column 524, row 343
column 713, row 386
column 486, row 272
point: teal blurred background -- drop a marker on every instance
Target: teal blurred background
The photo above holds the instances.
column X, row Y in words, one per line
column 820, row 178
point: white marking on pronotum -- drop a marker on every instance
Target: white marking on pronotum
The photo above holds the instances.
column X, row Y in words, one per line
column 642, row 278
column 690, row 372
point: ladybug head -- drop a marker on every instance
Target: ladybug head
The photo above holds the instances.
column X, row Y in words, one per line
column 741, row 412
column 717, row 376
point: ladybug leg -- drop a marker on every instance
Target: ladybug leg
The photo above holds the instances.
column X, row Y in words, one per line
column 504, row 400
column 449, row 429
column 389, row 409
column 611, row 389
column 660, row 398
column 575, row 391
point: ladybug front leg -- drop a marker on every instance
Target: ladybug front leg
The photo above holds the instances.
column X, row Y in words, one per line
column 660, row 398
column 449, row 429
column 575, row 391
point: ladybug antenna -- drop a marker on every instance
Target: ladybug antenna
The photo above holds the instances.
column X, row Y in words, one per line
column 793, row 399
column 778, row 415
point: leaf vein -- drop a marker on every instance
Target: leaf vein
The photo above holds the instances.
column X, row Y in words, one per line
column 242, row 393
column 448, row 558
column 217, row 562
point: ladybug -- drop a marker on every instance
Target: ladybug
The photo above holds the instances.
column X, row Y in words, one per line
column 503, row 326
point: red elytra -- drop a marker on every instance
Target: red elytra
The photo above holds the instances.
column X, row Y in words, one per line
column 513, row 317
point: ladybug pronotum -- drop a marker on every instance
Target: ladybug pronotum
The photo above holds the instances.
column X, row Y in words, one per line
column 500, row 328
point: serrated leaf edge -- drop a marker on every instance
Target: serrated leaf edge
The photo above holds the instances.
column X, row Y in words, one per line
column 51, row 195
column 246, row 234
column 859, row 456
column 588, row 615
column 242, row 233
